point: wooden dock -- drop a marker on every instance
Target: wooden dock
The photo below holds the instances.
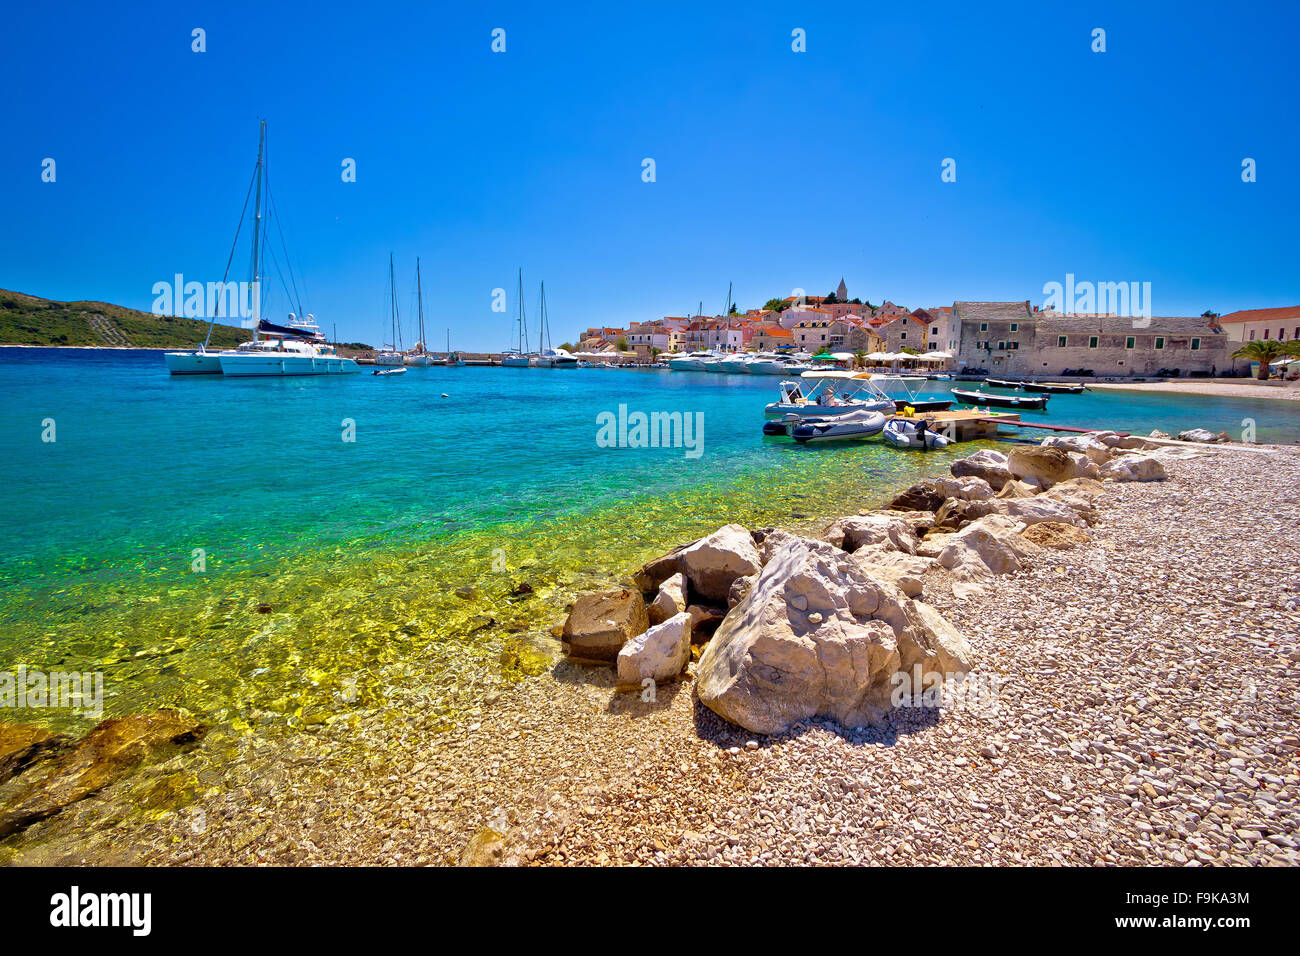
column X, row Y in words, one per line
column 966, row 424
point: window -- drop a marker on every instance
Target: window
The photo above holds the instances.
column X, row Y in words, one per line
column 1015, row 326
column 1013, row 345
column 1002, row 346
column 1252, row 335
column 981, row 345
column 935, row 330
column 902, row 336
column 1160, row 341
column 1196, row 345
column 1060, row 341
column 984, row 326
column 1092, row 341
column 1266, row 335
column 1130, row 342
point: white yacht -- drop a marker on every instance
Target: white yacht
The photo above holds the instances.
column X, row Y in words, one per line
column 692, row 361
column 295, row 349
column 737, row 363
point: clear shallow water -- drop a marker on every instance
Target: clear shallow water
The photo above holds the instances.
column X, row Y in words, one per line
column 333, row 568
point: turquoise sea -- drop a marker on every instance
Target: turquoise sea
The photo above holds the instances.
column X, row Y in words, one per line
column 216, row 544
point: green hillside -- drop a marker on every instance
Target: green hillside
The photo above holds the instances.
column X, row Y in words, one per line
column 27, row 320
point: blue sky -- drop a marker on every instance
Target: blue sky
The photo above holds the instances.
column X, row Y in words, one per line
column 775, row 169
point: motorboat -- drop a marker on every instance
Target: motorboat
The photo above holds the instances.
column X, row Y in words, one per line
column 386, row 372
column 1042, row 388
column 889, row 382
column 815, row 394
column 964, row 397
column 735, row 364
column 692, row 361
column 909, row 433
column 771, row 364
column 857, row 424
column 294, row 349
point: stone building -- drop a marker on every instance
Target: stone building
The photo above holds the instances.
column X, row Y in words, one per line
column 1010, row 339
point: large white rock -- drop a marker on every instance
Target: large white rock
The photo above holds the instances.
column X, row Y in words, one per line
column 992, row 545
column 670, row 599
column 967, row 488
column 894, row 567
column 987, row 464
column 887, row 530
column 714, row 562
column 1041, row 466
column 1133, row 467
column 818, row 636
column 659, row 653
column 1090, row 445
column 1027, row 510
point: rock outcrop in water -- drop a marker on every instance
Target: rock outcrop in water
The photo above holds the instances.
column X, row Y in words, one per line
column 108, row 753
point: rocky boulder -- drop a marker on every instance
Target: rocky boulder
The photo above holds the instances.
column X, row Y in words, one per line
column 1203, row 435
column 1090, row 445
column 660, row 653
column 894, row 567
column 930, row 495
column 600, row 624
column 1133, row 467
column 1041, row 466
column 655, row 572
column 988, row 464
column 873, row 530
column 106, row 754
column 1026, row 510
column 713, row 563
column 818, row 636
column 670, row 599
column 992, row 545
column 1017, row 489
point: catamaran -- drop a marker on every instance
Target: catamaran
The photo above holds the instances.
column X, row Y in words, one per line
column 298, row 348
column 518, row 358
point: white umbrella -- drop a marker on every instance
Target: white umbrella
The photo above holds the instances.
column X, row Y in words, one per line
column 930, row 357
column 880, row 356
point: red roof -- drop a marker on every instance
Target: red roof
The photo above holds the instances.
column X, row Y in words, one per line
column 1262, row 315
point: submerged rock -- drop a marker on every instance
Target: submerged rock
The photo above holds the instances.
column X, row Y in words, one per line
column 486, row 847
column 819, row 636
column 660, row 653
column 22, row 744
column 1203, row 435
column 109, row 752
column 601, row 623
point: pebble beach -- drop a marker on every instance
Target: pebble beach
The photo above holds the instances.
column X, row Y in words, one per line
column 1149, row 681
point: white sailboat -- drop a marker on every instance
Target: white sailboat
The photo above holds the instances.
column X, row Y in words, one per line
column 419, row 356
column 549, row 357
column 518, row 358
column 393, row 354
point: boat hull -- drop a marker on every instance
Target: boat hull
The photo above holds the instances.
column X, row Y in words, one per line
column 388, row 358
column 857, row 428
column 515, row 362
column 193, row 363
column 904, row 434
column 1038, row 402
column 417, row 360
column 827, row 411
column 275, row 364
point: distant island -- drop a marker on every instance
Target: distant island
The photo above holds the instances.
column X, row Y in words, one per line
column 29, row 320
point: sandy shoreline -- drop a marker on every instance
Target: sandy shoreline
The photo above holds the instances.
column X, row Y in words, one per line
column 1289, row 392
column 1149, row 719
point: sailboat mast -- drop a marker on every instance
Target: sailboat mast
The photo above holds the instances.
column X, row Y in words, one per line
column 523, row 318
column 545, row 329
column 257, row 231
column 392, row 303
column 419, row 293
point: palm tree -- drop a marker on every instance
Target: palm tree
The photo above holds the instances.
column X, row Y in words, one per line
column 1265, row 352
column 859, row 359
